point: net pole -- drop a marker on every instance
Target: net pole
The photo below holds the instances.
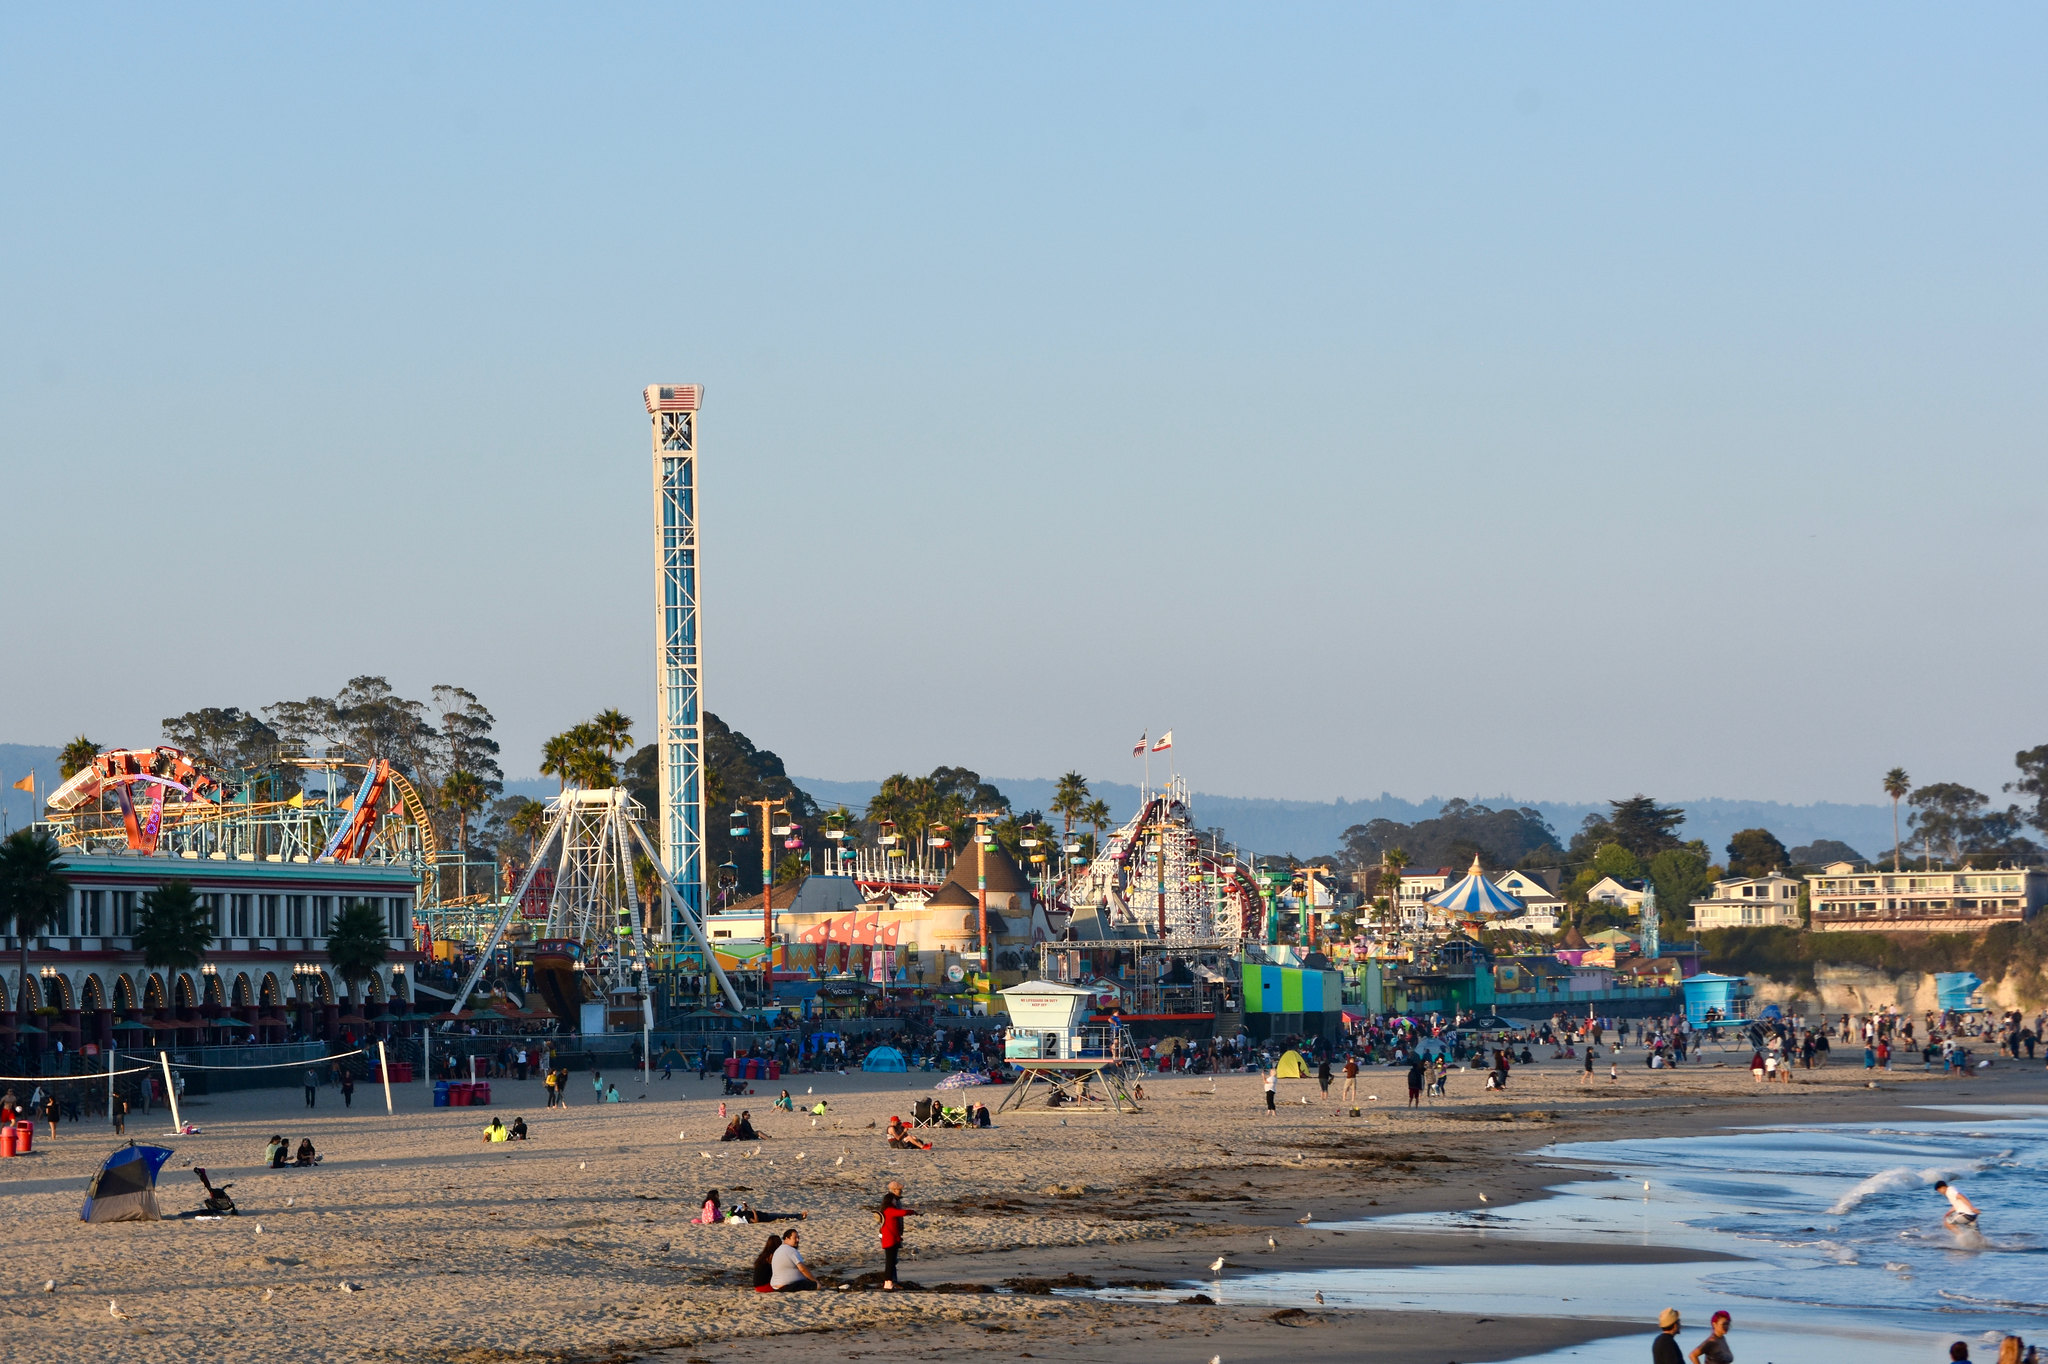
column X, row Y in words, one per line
column 171, row 1092
column 384, row 1070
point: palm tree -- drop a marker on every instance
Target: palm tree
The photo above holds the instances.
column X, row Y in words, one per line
column 591, row 769
column 615, row 731
column 173, row 930
column 1896, row 785
column 463, row 792
column 527, row 824
column 554, row 758
column 1096, row 815
column 1069, row 799
column 357, row 947
column 33, row 889
column 1393, row 859
column 76, row 757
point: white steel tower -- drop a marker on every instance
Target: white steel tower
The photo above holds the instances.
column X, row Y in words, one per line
column 672, row 418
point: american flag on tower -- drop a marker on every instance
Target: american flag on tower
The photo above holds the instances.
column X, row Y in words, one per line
column 673, row 397
column 1138, row 748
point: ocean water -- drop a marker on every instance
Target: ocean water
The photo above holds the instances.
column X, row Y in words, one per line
column 1838, row 1225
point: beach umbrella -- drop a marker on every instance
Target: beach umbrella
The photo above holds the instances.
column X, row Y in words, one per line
column 125, row 1188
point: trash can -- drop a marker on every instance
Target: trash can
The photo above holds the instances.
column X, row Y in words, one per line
column 6, row 1141
column 441, row 1099
column 480, row 1094
column 775, row 1070
column 24, row 1137
column 732, row 1067
column 458, row 1093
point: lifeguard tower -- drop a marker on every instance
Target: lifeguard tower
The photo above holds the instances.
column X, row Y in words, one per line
column 1050, row 1041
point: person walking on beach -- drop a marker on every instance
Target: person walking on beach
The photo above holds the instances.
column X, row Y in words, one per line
column 1323, row 1077
column 312, row 1084
column 891, row 1229
column 1351, row 1079
column 1714, row 1349
column 1415, row 1072
column 348, row 1089
column 1664, row 1349
column 1272, row 1083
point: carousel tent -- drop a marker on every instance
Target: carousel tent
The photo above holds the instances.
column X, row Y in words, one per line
column 1475, row 895
column 125, row 1188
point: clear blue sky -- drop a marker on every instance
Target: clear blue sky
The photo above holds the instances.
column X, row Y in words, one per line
column 1426, row 398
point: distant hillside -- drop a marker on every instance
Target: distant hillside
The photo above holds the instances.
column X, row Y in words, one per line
column 1306, row 828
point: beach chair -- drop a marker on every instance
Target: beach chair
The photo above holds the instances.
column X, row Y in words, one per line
column 925, row 1114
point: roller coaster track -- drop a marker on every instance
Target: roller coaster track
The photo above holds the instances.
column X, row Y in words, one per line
column 417, row 808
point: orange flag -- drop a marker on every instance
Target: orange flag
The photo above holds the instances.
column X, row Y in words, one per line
column 27, row 783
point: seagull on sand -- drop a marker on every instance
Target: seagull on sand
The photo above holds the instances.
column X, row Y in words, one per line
column 115, row 1312
column 1215, row 1359
column 49, row 1285
column 1272, row 1244
column 1319, row 1296
column 1484, row 1199
column 1305, row 1218
column 839, row 1160
column 1216, row 1265
column 269, row 1293
column 705, row 1154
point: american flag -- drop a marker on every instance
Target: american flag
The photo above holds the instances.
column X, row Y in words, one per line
column 673, row 397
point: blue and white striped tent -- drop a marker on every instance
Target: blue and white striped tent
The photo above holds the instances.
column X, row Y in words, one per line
column 1474, row 896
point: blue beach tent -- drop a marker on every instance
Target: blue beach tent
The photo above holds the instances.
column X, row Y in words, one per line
column 125, row 1188
column 885, row 1059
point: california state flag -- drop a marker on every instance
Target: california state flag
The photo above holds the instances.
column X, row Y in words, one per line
column 1165, row 742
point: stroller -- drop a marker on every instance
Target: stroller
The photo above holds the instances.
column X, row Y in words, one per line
column 733, row 1086
column 217, row 1201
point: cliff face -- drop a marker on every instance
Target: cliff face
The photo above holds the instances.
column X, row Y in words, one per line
column 1860, row 990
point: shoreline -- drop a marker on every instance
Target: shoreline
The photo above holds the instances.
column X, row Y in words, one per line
column 578, row 1246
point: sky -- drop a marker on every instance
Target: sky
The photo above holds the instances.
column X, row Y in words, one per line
column 1419, row 399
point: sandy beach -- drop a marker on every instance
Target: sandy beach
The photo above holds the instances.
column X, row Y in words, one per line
column 415, row 1240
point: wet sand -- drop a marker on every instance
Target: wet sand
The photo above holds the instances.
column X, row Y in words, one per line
column 578, row 1245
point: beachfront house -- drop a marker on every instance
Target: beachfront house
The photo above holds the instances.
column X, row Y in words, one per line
column 1537, row 890
column 1846, row 900
column 1609, row 890
column 1749, row 902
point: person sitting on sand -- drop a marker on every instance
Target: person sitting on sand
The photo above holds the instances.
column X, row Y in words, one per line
column 764, row 1266
column 277, row 1152
column 981, row 1118
column 494, row 1130
column 741, row 1129
column 307, row 1157
column 789, row 1274
column 902, row 1139
column 713, row 1214
column 785, row 1103
column 611, row 1094
column 818, row 1109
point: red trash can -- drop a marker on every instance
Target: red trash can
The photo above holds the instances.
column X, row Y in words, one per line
column 458, row 1094
column 732, row 1067
column 6, row 1141
column 775, row 1070
column 24, row 1137
column 480, row 1094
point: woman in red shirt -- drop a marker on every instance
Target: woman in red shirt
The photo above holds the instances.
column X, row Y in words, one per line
column 893, row 1213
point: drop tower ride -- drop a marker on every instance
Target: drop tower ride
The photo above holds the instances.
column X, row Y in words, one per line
column 679, row 735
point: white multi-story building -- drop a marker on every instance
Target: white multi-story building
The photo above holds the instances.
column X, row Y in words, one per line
column 1538, row 894
column 1846, row 900
column 1749, row 902
column 1609, row 890
column 1417, row 885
